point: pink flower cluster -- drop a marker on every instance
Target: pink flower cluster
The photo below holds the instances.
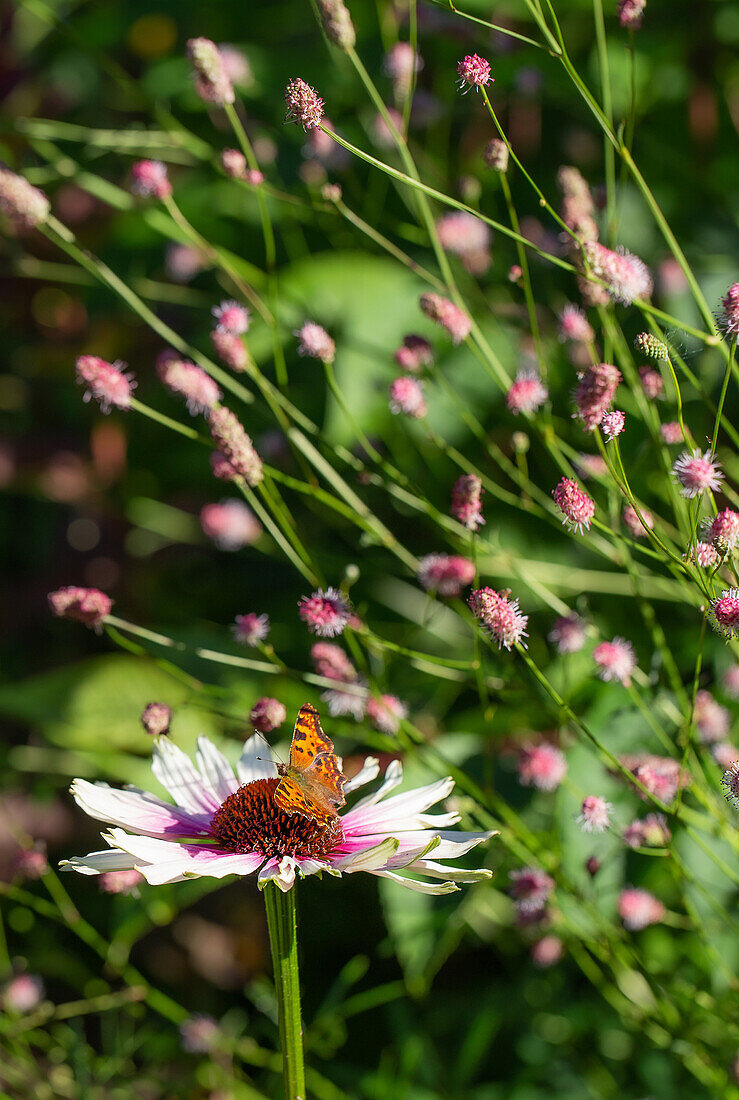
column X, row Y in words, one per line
column 325, row 613
column 349, row 695
column 542, row 766
column 183, row 378
column 414, row 354
column 445, row 574
column 575, row 505
column 250, row 629
column 83, row 605
column 446, row 314
column 527, row 392
column 500, row 615
column 595, row 391
column 467, row 501
column 406, row 397
column 108, row 383
column 615, row 660
column 315, row 342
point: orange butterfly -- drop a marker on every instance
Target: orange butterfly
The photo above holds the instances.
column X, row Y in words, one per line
column 312, row 783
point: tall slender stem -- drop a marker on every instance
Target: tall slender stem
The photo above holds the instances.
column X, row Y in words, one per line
column 283, row 940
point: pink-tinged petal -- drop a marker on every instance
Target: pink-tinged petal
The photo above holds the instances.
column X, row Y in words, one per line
column 456, row 874
column 401, row 807
column 370, row 859
column 280, row 871
column 177, row 774
column 452, row 844
column 153, row 850
column 393, row 778
column 315, row 866
column 137, row 810
column 215, row 770
column 370, row 770
column 97, row 863
column 255, row 761
column 202, row 865
column 416, row 885
column 393, row 817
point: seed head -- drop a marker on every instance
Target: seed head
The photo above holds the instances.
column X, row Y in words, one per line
column 233, row 163
column 595, row 391
column 212, row 82
column 445, row 574
column 639, row 908
column 500, row 615
column 723, row 614
column 474, row 72
column 326, row 613
column 527, row 392
column 156, row 719
column 616, row 660
column 575, row 505
column 22, row 203
column 150, row 180
column 612, row 424
column 671, row 432
column 730, row 782
column 496, row 155
column 542, row 766
column 697, row 472
column 222, row 468
column 386, row 713
column 107, row 383
column 82, row 605
column 652, row 383
column 633, row 524
column 230, row 524
column 230, row 349
column 650, row 346
column 630, row 13
column 250, row 629
column 233, row 442
column 337, row 23
column 595, row 816
column 626, row 277
column 232, row 317
column 186, row 380
column 574, row 325
column 568, row 633
column 315, row 342
column 467, row 501
column 304, row 105
column 267, row 714
column 414, row 354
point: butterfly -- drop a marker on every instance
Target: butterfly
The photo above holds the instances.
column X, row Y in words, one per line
column 312, row 782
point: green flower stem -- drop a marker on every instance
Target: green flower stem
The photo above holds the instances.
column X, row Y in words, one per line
column 605, row 83
column 526, row 276
column 388, row 246
column 722, row 398
column 500, row 30
column 283, row 940
column 168, row 422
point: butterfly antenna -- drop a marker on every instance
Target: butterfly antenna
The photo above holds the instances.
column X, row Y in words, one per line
column 270, row 759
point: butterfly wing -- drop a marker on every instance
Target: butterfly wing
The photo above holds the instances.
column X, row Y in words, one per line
column 308, row 739
column 324, row 779
column 293, row 799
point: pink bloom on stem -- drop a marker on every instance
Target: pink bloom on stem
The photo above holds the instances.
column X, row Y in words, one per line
column 730, row 782
column 235, row 445
column 325, row 613
column 212, row 82
column 616, row 660
column 30, row 864
column 724, row 613
column 230, row 524
column 414, row 354
column 542, row 766
column 574, row 325
column 724, row 754
column 474, row 72
column 331, row 662
column 233, row 163
column 652, row 382
column 634, row 524
column 697, row 472
column 254, row 177
column 22, row 203
column 401, row 64
column 386, row 713
column 671, row 432
column 660, row 775
column 630, row 13
column 530, row 889
column 730, row 681
column 267, row 714
column 650, row 832
column 723, row 529
column 22, row 994
column 729, row 319
column 527, row 392
column 120, row 882
column 711, row 719
column 704, row 555
column 515, row 273
column 350, row 694
column 156, row 719
column 589, row 466
column 468, row 237
column 595, row 816
column 82, row 605
column 595, row 391
column 107, row 383
column 315, row 342
column 230, row 349
column 467, row 501
column 446, row 314
column 250, row 629
column 612, row 424
column 406, row 396
column 547, row 952
column 186, row 380
column 149, row 179
column 638, row 909
column 500, row 615
column 382, row 134
column 303, row 103
column 575, row 505
column 232, row 317
column 626, row 276
column 445, row 574
column 568, row 633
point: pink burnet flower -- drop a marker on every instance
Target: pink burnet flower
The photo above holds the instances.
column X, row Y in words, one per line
column 414, row 354
column 325, row 612
column 230, row 349
column 730, row 782
column 730, row 681
column 671, row 432
column 82, row 605
column 331, row 192
column 496, row 155
column 596, row 388
column 348, row 694
column 474, row 72
column 638, row 909
column 236, row 65
column 200, row 1033
column 630, row 13
column 120, row 882
column 461, row 233
column 447, row 314
column 149, row 179
column 588, row 466
column 626, row 277
column 406, row 397
column 235, row 445
column 212, row 82
column 107, row 383
column 225, row 822
column 232, row 317
column 711, row 719
column 574, row 325
column 315, row 342
column 182, row 262
column 250, row 629
column 156, row 719
column 568, row 633
column 697, row 473
column 186, row 380
column 527, row 392
column 595, row 814
column 22, row 994
column 660, row 775
column 386, row 713
column 728, row 321
column 616, row 660
column 515, row 273
column 725, row 754
column 633, row 524
column 652, row 383
column 267, row 714
column 445, row 574
column 230, row 524
column 575, row 505
column 723, row 614
column 337, row 23
column 233, row 163
column 547, row 952
column 29, row 864
column 500, row 615
column 722, row 529
column 612, row 424
column 401, row 64
column 304, row 105
column 648, row 832
column 530, row 888
column 254, row 177
column 542, row 766
column 467, row 501
column 331, row 662
column 704, row 555
column 24, row 205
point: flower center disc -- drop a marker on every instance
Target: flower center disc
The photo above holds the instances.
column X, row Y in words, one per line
column 250, row 821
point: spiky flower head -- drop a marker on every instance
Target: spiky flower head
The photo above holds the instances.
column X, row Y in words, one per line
column 568, row 633
column 630, row 13
column 189, row 381
column 326, row 613
column 575, row 505
column 414, row 354
column 107, row 383
column 156, row 719
column 250, row 629
column 406, row 396
column 730, row 782
column 496, row 155
column 467, row 501
column 233, row 163
column 232, row 317
column 445, row 574
column 386, row 713
column 541, row 766
column 150, row 180
column 652, row 382
column 636, row 526
column 626, row 276
column 697, row 473
column 82, row 605
column 22, row 203
column 595, row 391
column 212, row 82
column 671, row 432
column 722, row 530
column 612, row 424
column 474, row 72
column 230, row 349
column 304, row 105
column 337, row 23
column 315, row 342
column 500, row 615
column 233, row 442
column 230, row 524
column 728, row 322
column 723, row 614
column 651, row 346
column 446, row 314
column 267, row 714
column 704, row 555
column 638, row 909
column 574, row 325
column 527, row 392
column 616, row 660
column 530, row 888
column 595, row 815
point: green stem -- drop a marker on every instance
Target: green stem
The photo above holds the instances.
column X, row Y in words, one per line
column 283, row 939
